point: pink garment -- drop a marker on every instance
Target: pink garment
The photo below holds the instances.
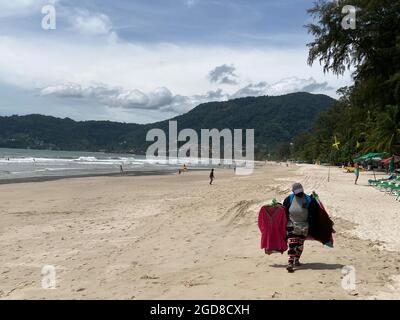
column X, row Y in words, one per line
column 272, row 222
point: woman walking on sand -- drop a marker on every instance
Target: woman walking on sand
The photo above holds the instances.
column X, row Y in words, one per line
column 300, row 208
column 211, row 176
column 356, row 172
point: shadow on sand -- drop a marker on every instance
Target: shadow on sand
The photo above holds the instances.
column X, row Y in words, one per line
column 312, row 266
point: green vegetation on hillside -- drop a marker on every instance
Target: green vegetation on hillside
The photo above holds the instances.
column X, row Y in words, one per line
column 275, row 120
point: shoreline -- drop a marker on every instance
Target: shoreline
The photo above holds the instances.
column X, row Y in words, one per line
column 132, row 173
column 78, row 176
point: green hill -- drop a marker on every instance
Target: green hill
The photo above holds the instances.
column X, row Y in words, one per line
column 276, row 120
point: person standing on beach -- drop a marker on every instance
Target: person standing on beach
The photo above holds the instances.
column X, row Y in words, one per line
column 356, row 172
column 212, row 176
column 299, row 210
column 391, row 165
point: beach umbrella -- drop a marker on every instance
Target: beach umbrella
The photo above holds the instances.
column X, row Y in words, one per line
column 372, row 156
column 387, row 160
column 390, row 162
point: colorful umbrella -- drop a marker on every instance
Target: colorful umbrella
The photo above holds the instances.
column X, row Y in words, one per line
column 372, row 156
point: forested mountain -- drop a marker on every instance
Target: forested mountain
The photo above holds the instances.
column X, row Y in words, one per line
column 275, row 119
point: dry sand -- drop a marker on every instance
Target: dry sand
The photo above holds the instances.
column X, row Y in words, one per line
column 177, row 237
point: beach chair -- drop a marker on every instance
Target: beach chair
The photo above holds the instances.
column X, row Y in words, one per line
column 393, row 189
column 349, row 169
column 382, row 185
column 375, row 183
column 390, row 188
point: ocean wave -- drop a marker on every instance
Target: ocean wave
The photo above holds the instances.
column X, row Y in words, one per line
column 32, row 160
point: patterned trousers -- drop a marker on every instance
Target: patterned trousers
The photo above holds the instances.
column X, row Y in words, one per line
column 296, row 245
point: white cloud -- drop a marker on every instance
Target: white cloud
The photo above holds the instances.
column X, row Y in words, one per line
column 160, row 99
column 25, row 63
column 20, row 7
column 224, row 74
column 252, row 89
column 163, row 100
column 283, row 86
column 112, row 96
column 130, row 73
column 91, row 24
column 293, row 84
column 190, row 3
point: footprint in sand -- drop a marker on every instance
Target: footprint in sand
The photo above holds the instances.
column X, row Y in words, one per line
column 149, row 277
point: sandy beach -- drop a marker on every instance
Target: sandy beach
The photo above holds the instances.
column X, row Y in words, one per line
column 177, row 237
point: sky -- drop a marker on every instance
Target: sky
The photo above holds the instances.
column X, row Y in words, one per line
column 143, row 61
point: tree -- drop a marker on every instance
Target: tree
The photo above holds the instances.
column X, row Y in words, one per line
column 372, row 51
column 372, row 48
column 385, row 136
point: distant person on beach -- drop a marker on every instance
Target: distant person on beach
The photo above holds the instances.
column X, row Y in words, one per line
column 299, row 209
column 184, row 168
column 356, row 172
column 121, row 169
column 212, row 176
column 391, row 165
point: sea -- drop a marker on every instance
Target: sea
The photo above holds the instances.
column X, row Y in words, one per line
column 31, row 165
